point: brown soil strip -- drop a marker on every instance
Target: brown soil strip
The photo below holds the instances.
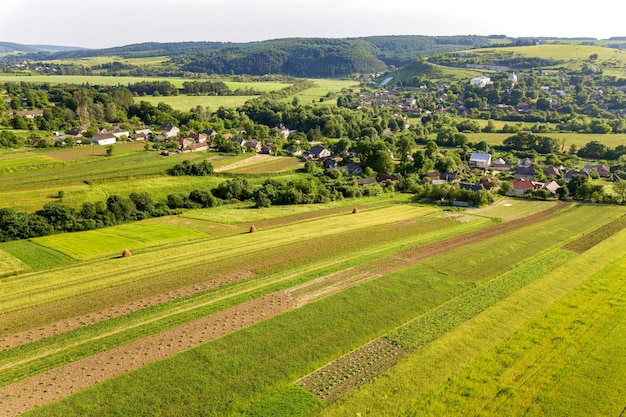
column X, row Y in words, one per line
column 28, row 336
column 60, row 382
column 74, row 377
column 590, row 240
column 414, row 255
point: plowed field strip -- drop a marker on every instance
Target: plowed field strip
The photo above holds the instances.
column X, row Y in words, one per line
column 66, row 380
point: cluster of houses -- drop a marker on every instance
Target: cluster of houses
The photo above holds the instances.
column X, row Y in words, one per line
column 191, row 142
column 524, row 174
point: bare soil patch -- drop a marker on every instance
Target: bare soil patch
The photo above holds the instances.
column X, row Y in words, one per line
column 256, row 159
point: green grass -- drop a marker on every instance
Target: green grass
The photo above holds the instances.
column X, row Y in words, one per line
column 12, row 163
column 567, row 138
column 258, row 361
column 321, row 88
column 113, row 240
column 442, row 378
column 185, row 103
column 510, row 208
column 71, row 346
column 114, row 80
column 9, row 264
column 88, row 176
column 90, row 277
column 33, row 257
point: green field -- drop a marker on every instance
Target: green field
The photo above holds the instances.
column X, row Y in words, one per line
column 315, row 283
column 185, row 103
column 111, row 80
column 113, row 240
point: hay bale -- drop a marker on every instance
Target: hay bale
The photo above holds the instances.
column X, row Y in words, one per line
column 252, row 229
column 355, row 210
column 126, row 253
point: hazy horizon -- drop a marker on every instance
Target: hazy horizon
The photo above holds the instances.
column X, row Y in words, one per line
column 96, row 25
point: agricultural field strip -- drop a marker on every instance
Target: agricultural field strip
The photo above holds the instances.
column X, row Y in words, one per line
column 367, row 291
column 430, row 366
column 361, row 365
column 19, row 292
column 485, row 294
column 65, row 380
column 254, row 160
column 142, row 346
column 90, row 244
column 302, row 293
column 537, row 359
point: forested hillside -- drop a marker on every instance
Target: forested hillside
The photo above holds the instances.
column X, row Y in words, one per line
column 301, row 57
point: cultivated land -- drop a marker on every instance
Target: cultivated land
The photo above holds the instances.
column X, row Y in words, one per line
column 372, row 306
column 323, row 310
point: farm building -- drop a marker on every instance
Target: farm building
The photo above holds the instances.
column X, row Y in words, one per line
column 104, row 139
column 480, row 160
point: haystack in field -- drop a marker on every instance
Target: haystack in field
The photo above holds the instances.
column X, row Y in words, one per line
column 126, row 253
column 252, row 229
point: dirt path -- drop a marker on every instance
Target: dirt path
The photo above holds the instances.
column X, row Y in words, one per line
column 68, row 379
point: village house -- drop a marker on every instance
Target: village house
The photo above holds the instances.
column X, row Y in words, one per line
column 29, row 114
column 317, row 152
column 479, row 160
column 252, row 146
column 104, row 139
column 524, row 172
column 169, row 130
column 196, row 147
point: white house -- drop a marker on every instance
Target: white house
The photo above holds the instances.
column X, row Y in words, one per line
column 104, row 139
column 118, row 133
column 480, row 81
column 169, row 130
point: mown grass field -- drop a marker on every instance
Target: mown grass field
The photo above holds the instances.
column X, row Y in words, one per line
column 311, row 285
column 113, row 240
column 185, row 103
column 566, row 138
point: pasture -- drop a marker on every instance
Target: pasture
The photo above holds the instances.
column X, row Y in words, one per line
column 230, row 323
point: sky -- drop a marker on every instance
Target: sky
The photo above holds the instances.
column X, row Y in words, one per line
column 103, row 24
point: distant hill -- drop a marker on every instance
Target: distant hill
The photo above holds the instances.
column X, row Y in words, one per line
column 546, row 55
column 301, row 57
column 8, row 47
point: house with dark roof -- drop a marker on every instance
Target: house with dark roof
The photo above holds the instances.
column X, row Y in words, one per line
column 169, row 130
column 524, row 172
column 472, row 187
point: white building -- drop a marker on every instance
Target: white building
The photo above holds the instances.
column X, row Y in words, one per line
column 104, row 139
column 480, row 81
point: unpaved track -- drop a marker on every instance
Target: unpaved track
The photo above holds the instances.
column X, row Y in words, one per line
column 68, row 379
